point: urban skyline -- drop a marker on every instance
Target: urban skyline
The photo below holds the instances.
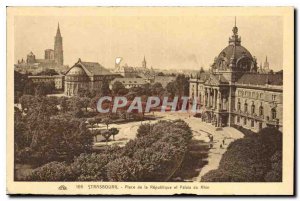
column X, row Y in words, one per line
column 176, row 52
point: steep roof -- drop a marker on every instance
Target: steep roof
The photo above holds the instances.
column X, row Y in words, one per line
column 261, row 79
column 91, row 68
column 95, row 68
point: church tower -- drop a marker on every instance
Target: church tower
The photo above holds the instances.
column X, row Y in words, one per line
column 144, row 63
column 266, row 64
column 58, row 48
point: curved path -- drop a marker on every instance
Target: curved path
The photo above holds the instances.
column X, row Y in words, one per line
column 201, row 131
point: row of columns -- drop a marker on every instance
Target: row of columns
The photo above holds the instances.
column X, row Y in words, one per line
column 213, row 98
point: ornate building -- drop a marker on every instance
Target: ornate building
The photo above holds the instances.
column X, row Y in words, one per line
column 53, row 59
column 234, row 93
column 135, row 72
column 86, row 75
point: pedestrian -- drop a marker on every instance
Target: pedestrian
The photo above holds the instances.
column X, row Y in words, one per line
column 223, row 142
column 221, row 146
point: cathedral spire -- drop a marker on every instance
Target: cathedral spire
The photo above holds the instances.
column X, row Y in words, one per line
column 58, row 31
column 58, row 48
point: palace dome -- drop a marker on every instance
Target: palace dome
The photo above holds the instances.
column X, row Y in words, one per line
column 240, row 51
column 235, row 56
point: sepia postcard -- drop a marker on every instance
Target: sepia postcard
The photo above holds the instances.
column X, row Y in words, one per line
column 150, row 100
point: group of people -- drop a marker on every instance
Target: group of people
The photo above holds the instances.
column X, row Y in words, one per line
column 211, row 140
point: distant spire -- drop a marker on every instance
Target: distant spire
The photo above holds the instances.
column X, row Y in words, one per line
column 266, row 64
column 58, row 31
column 144, row 63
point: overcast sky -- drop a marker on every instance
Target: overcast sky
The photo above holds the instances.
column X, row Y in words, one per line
column 166, row 41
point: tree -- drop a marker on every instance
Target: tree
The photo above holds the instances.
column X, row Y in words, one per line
column 107, row 121
column 76, row 105
column 85, row 102
column 106, row 134
column 157, row 89
column 93, row 103
column 275, row 174
column 29, row 88
column 53, row 137
column 63, row 102
column 118, row 88
column 202, row 70
column 40, row 90
column 91, row 122
column 143, row 130
column 27, row 101
column 171, row 88
column 21, row 139
column 216, row 176
column 105, row 91
column 182, row 84
column 98, row 120
column 44, row 88
column 49, row 72
column 113, row 131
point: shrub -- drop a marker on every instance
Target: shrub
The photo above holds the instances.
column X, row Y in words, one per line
column 124, row 169
column 90, row 167
column 54, row 171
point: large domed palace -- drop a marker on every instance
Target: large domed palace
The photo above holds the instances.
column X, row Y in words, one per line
column 236, row 91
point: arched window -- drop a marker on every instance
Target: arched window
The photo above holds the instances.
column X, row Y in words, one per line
column 246, row 107
column 252, row 109
column 273, row 111
column 238, row 106
column 261, row 110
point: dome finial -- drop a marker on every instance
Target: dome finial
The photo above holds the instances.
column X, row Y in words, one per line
column 235, row 29
column 235, row 39
column 235, row 21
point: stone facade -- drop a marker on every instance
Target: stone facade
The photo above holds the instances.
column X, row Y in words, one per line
column 233, row 92
column 57, row 79
column 86, row 75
